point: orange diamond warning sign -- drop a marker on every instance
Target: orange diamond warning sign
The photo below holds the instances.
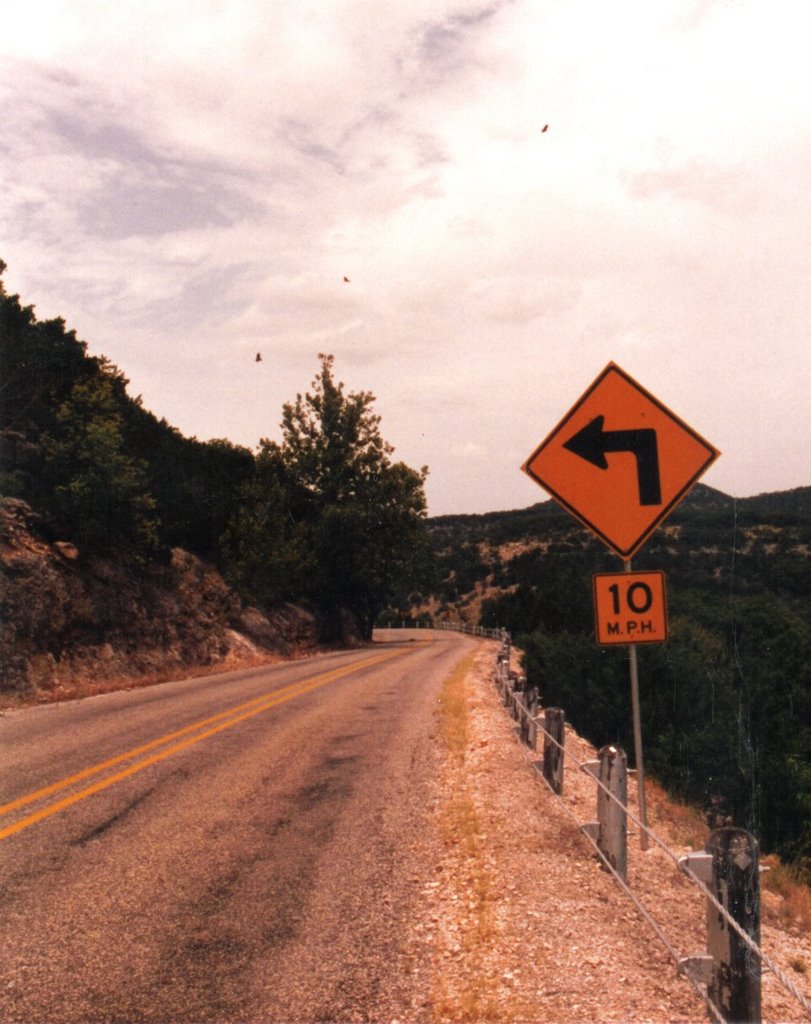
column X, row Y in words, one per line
column 620, row 461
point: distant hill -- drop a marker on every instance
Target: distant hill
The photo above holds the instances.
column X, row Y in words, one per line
column 791, row 507
column 726, row 701
column 711, row 540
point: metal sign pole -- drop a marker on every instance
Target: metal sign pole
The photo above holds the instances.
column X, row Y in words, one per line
column 640, row 767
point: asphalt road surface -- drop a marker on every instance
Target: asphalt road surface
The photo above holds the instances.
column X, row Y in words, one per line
column 234, row 848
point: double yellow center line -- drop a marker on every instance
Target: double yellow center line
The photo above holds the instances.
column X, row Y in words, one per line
column 167, row 745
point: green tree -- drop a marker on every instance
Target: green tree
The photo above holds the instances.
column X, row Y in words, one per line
column 266, row 551
column 587, row 681
column 92, row 487
column 47, row 380
column 39, row 362
column 330, row 500
column 373, row 548
column 772, row 684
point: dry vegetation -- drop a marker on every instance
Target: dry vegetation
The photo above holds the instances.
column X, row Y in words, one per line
column 461, row 831
column 78, row 687
column 786, row 896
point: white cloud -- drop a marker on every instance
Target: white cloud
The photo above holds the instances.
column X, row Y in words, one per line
column 188, row 183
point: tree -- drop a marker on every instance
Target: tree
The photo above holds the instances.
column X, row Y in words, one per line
column 372, row 549
column 266, row 550
column 39, row 362
column 329, row 500
column 47, row 382
column 91, row 485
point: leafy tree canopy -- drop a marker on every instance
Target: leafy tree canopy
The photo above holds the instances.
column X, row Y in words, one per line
column 336, row 518
column 84, row 453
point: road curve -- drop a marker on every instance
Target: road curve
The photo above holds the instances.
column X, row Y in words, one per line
column 251, row 846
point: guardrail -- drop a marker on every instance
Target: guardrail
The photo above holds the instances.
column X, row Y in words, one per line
column 728, row 976
column 456, row 627
column 483, row 631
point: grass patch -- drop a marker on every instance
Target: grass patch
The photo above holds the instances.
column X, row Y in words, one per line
column 791, row 884
column 455, row 727
column 461, row 831
column 684, row 823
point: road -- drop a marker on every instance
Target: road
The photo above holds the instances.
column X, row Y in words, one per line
column 251, row 846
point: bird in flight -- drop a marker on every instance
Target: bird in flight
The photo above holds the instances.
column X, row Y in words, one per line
column 259, row 357
column 545, row 128
column 346, row 280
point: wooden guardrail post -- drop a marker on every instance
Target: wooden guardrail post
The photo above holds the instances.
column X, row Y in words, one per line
column 522, row 708
column 514, row 695
column 730, row 970
column 735, row 986
column 611, row 813
column 531, row 698
column 612, row 830
column 501, row 672
column 504, row 680
column 554, row 721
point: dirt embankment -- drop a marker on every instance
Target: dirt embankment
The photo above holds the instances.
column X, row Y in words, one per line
column 72, row 624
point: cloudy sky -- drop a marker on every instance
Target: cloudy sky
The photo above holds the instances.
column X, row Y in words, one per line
column 188, row 184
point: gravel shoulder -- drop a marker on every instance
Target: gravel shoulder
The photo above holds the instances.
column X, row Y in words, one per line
column 525, row 924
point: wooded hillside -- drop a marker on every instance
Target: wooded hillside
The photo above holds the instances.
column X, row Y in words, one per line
column 324, row 516
column 726, row 701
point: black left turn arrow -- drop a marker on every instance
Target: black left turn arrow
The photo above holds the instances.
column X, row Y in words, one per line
column 592, row 443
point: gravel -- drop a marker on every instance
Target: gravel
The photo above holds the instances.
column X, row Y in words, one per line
column 561, row 942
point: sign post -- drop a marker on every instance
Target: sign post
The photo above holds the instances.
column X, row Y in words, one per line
column 638, row 758
column 620, row 461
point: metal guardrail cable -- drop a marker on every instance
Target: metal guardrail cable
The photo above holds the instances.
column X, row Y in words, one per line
column 783, row 978
column 643, row 911
column 648, row 917
column 765, row 960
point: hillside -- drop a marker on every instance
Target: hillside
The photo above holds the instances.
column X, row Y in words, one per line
column 75, row 624
column 128, row 549
column 324, row 520
column 712, row 541
column 726, row 701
